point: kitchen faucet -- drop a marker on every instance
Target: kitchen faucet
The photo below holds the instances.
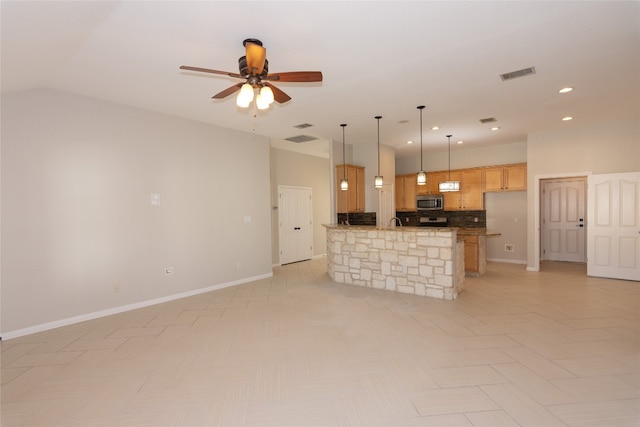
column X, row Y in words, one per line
column 395, row 218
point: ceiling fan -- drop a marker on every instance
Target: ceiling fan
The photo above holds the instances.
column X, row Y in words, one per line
column 254, row 69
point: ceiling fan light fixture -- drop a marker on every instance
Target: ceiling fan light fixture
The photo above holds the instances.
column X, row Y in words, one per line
column 245, row 96
column 242, row 103
column 261, row 102
column 267, row 94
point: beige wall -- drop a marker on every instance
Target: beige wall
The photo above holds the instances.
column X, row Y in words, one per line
column 507, row 213
column 300, row 170
column 79, row 234
column 461, row 157
column 578, row 150
column 367, row 156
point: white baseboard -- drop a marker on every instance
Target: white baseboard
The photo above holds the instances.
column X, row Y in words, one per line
column 110, row 311
column 313, row 257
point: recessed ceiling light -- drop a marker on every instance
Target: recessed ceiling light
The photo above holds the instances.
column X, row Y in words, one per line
column 460, row 142
column 409, row 142
column 566, row 119
column 565, row 90
column 435, row 128
column 495, row 128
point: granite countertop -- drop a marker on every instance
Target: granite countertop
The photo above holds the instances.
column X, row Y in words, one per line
column 389, row 228
column 477, row 232
column 461, row 231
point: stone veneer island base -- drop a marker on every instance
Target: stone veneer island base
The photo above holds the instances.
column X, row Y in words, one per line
column 415, row 260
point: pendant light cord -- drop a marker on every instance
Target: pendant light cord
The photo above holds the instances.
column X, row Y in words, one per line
column 378, row 118
column 449, row 137
column 421, row 107
column 344, row 162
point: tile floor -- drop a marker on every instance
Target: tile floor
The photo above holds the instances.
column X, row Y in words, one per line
column 554, row 348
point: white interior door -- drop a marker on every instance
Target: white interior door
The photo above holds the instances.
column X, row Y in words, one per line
column 563, row 220
column 295, row 219
column 386, row 205
column 614, row 226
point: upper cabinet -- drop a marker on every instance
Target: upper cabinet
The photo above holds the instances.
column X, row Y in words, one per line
column 351, row 200
column 433, row 179
column 406, row 193
column 474, row 182
column 469, row 198
column 505, row 178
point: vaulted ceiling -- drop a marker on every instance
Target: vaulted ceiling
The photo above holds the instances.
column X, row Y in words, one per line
column 377, row 58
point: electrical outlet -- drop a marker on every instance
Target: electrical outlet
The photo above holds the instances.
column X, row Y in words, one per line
column 509, row 247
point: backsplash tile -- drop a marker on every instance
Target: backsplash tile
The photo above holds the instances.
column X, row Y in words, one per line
column 462, row 219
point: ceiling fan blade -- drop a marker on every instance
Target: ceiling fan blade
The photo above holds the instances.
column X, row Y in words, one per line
column 228, row 91
column 207, row 70
column 278, row 95
column 296, row 76
column 256, row 55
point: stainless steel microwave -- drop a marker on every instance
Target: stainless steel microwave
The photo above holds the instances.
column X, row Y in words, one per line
column 429, row 202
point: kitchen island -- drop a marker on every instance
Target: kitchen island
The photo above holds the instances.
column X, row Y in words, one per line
column 416, row 260
column 475, row 249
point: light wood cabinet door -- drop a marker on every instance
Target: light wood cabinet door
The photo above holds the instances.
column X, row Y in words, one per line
column 351, row 200
column 433, row 179
column 505, row 178
column 406, row 193
column 492, row 179
column 471, row 259
column 515, row 177
column 453, row 199
column 471, row 190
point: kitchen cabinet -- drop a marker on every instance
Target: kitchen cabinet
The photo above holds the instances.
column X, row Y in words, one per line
column 433, row 179
column 505, row 178
column 469, row 198
column 475, row 251
column 406, row 193
column 351, row 200
column 471, row 258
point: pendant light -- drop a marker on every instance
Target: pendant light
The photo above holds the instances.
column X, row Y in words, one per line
column 448, row 186
column 344, row 184
column 422, row 175
column 378, row 180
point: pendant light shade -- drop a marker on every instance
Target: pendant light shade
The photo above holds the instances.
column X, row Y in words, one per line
column 422, row 175
column 344, row 184
column 449, row 186
column 378, row 180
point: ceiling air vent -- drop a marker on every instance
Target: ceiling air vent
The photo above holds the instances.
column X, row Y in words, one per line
column 301, row 138
column 303, row 126
column 488, row 120
column 518, row 73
